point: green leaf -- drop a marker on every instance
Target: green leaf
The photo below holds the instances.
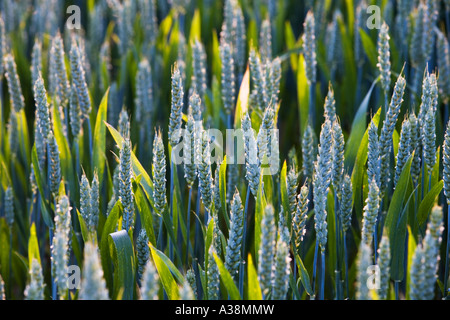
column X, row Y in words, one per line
column 138, row 169
column 259, row 213
column 4, row 176
column 215, row 102
column 20, row 266
column 331, row 261
column 291, row 44
column 33, row 246
column 396, row 222
column 304, row 276
column 23, row 135
column 1, row 121
column 428, row 203
column 369, row 48
column 435, row 171
column 223, row 190
column 178, row 209
column 217, row 62
column 254, row 289
column 202, row 274
column 227, row 279
column 196, row 27
column 412, row 245
column 100, row 137
column 64, row 152
column 145, row 213
column 5, row 253
column 398, row 198
column 44, row 201
column 395, row 143
column 178, row 276
column 303, row 94
column 398, row 239
column 209, row 237
column 268, row 186
column 347, row 46
column 351, row 16
column 242, row 101
column 78, row 252
column 83, row 226
column 170, row 229
column 167, row 280
column 359, row 126
column 121, row 249
column 109, row 227
column 283, row 191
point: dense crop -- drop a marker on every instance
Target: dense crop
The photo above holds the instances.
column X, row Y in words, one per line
column 236, row 149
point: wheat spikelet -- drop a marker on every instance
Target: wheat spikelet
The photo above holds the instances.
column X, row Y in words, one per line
column 125, row 185
column 35, row 289
column 371, row 212
column 14, row 88
column 233, row 253
column 300, row 216
column 93, row 285
column 384, row 54
column 346, row 203
column 176, row 107
column 143, row 253
column 404, row 149
column 364, row 262
column 309, row 48
column 280, row 272
column 159, row 174
column 384, row 263
column 60, row 245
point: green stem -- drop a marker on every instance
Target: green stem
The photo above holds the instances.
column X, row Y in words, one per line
column 295, row 278
column 338, row 273
column 312, row 104
column 242, row 269
column 358, row 87
column 88, row 121
column 197, row 227
column 423, row 177
column 447, row 19
column 1, row 113
column 54, row 288
column 10, row 263
column 188, row 228
column 375, row 241
column 171, row 207
column 322, row 278
column 159, row 243
column 346, row 266
column 396, row 286
column 77, row 156
column 316, row 252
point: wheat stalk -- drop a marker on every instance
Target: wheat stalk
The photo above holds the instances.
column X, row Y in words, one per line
column 35, row 289
column 384, row 263
column 143, row 253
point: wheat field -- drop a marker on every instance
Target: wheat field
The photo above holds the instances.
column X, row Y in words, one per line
column 224, row 150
